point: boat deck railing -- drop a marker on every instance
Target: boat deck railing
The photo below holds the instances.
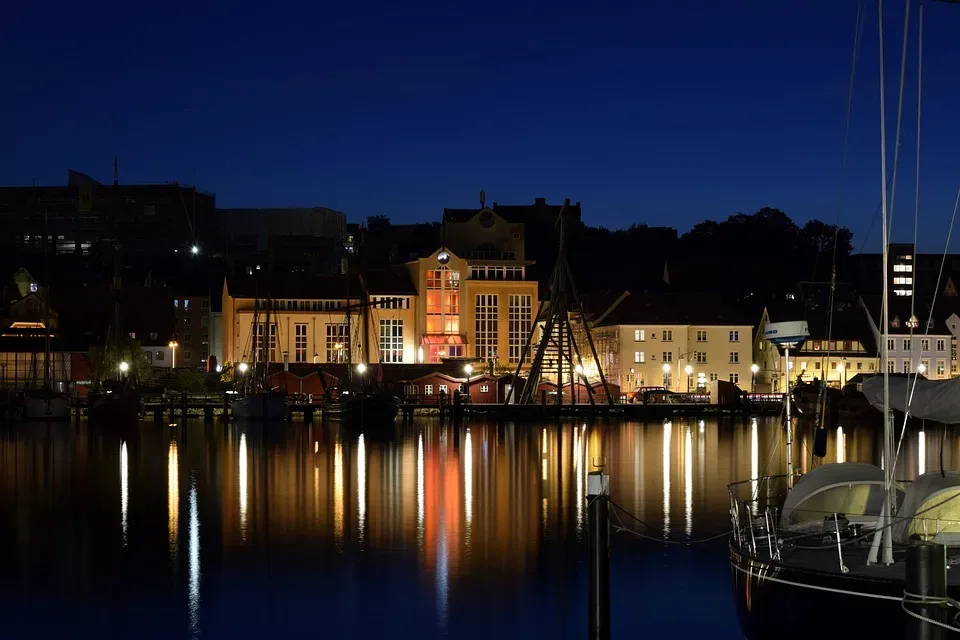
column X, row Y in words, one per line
column 757, row 513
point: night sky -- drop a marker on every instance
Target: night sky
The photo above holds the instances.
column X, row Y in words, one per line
column 656, row 111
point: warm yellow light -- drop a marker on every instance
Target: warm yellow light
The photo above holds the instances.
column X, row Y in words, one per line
column 688, row 369
column 754, row 368
column 361, row 368
column 840, row 368
column 242, row 367
column 578, row 369
column 468, row 368
column 666, row 368
column 124, row 367
column 173, row 344
column 921, row 369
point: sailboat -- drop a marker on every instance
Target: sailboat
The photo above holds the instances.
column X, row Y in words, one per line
column 116, row 401
column 260, row 402
column 362, row 403
column 837, row 541
column 45, row 403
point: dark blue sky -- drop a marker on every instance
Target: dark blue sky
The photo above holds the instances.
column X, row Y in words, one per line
column 658, row 111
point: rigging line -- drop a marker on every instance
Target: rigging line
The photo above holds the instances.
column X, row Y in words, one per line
column 896, row 144
column 915, row 374
column 873, row 221
column 858, row 29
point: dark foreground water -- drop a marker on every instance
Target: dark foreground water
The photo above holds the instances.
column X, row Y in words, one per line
column 226, row 531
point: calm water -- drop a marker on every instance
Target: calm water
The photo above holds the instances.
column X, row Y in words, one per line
column 233, row 532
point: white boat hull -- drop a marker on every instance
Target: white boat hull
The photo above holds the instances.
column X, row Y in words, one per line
column 260, row 406
column 54, row 408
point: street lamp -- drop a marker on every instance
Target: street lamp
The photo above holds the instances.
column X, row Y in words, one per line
column 242, row 367
column 195, row 250
column 754, row 369
column 840, row 370
column 689, row 371
column 361, row 368
column 468, row 369
column 666, row 375
column 124, row 367
column 173, row 351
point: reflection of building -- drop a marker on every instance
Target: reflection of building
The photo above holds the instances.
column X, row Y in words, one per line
column 683, row 342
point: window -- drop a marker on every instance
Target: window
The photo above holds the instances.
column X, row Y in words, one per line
column 891, row 344
column 484, row 388
column 941, row 367
column 891, row 363
column 906, row 366
column 859, row 366
column 186, row 305
column 153, row 335
column 714, row 377
column 259, row 346
column 902, row 279
column 925, row 344
column 639, row 335
column 902, row 268
column 700, row 357
column 833, row 366
column 443, row 389
column 176, row 303
column 519, row 325
column 204, row 321
column 159, row 357
column 443, row 301
column 668, row 356
column 906, row 344
column 734, row 357
column 133, row 335
column 816, row 366
column 187, row 321
column 941, row 344
column 187, row 356
column 735, row 378
column 668, row 335
column 803, row 366
column 701, row 335
column 299, row 342
column 204, row 305
column 486, row 326
column 926, row 366
column 187, row 338
column 428, row 389
column 734, row 336
column 391, row 341
column 337, row 342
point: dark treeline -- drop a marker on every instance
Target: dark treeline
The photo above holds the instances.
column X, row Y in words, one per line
column 763, row 254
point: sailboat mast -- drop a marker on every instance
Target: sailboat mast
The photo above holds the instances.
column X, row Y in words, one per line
column 116, row 257
column 46, row 305
column 268, row 341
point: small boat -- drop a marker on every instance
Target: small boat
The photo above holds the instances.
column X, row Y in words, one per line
column 114, row 406
column 372, row 408
column 46, row 404
column 268, row 406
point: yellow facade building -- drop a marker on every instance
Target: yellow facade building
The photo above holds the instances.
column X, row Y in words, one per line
column 683, row 343
column 318, row 319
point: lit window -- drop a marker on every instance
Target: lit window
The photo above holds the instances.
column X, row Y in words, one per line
column 639, row 335
column 735, row 378
column 639, row 357
column 428, row 389
column 484, row 388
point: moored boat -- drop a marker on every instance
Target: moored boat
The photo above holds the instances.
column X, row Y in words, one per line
column 268, row 406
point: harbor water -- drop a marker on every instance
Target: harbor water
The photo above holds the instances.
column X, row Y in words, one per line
column 246, row 531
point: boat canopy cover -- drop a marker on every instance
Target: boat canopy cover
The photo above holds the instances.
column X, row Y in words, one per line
column 937, row 400
column 922, row 502
column 851, row 488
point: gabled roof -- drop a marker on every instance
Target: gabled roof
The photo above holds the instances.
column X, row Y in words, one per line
column 901, row 312
column 676, row 308
column 296, row 287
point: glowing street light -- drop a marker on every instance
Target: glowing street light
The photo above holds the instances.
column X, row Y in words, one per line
column 578, row 369
column 922, row 369
column 124, row 367
column 242, row 368
column 666, row 375
column 753, row 370
column 361, row 368
column 689, row 371
column 173, row 344
column 195, row 250
column 468, row 369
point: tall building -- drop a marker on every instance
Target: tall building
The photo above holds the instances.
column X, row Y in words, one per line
column 84, row 217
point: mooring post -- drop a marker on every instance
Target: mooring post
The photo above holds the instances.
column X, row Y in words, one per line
column 926, row 581
column 598, row 532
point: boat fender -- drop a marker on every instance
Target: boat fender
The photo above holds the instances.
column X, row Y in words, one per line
column 820, row 443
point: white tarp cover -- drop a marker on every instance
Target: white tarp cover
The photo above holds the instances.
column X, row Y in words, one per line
column 923, row 493
column 937, row 400
column 852, row 488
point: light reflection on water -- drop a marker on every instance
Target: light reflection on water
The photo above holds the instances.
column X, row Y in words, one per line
column 453, row 522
